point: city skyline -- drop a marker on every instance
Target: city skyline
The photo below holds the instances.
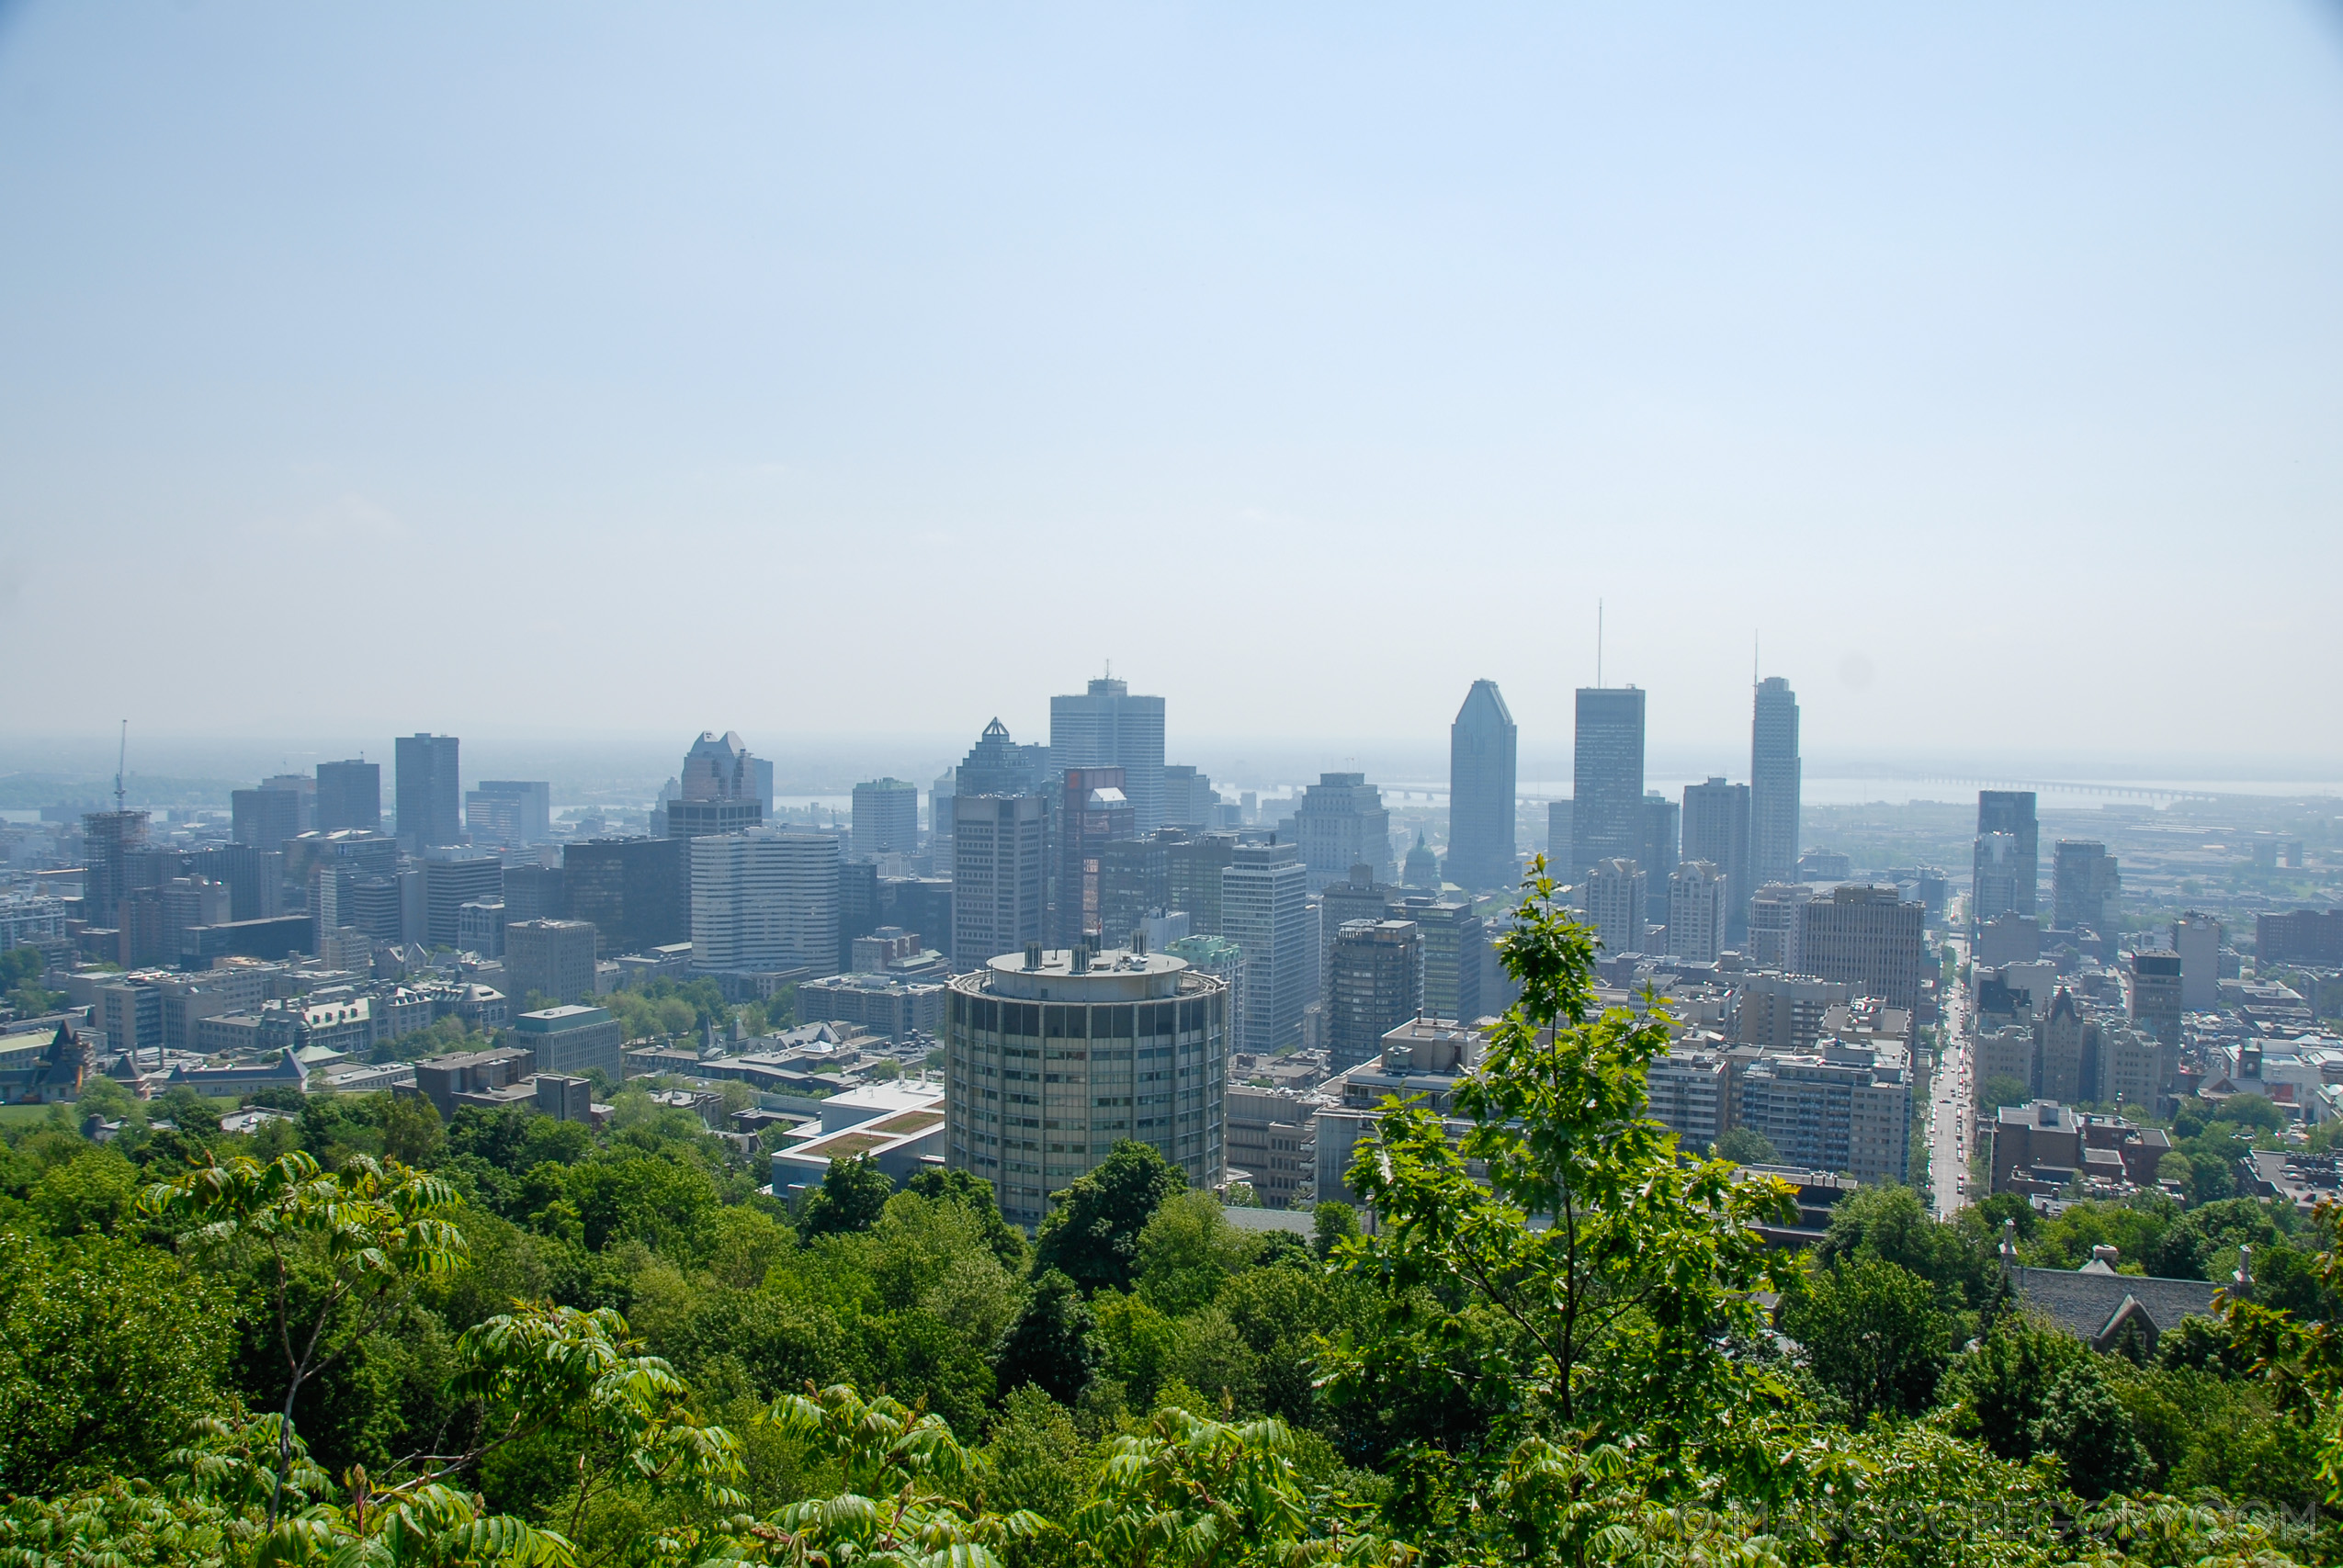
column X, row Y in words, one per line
column 1820, row 309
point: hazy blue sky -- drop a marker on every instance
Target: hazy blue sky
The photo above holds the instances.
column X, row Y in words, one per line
column 545, row 370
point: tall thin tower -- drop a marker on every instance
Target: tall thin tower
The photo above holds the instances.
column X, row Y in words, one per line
column 1481, row 776
column 1775, row 773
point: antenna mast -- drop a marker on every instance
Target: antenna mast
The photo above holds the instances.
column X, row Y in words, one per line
column 121, row 755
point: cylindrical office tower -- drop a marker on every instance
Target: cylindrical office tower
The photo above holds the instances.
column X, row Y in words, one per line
column 1052, row 1057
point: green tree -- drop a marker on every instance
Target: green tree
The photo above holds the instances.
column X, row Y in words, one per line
column 1186, row 1251
column 1332, row 1224
column 1051, row 1346
column 1745, row 1145
column 1643, row 1267
column 341, row 1254
column 109, row 1350
column 1093, row 1236
column 852, row 1196
column 1999, row 1390
column 1873, row 1333
column 2083, row 1424
column 974, row 1194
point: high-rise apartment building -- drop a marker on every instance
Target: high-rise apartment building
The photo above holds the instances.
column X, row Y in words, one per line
column 1480, row 791
column 1614, row 902
column 762, row 900
column 1716, row 829
column 2012, row 874
column 1092, row 812
column 636, row 893
column 2083, row 881
column 719, row 789
column 1775, row 1011
column 1342, row 823
column 1108, row 728
column 509, row 814
column 1867, row 937
column 429, row 796
column 1607, row 777
column 1839, row 1110
column 999, row 885
column 1051, row 1058
column 1376, row 984
column 1660, row 839
column 1264, row 909
column 887, row 817
column 553, row 958
column 1775, row 775
column 1696, row 911
column 349, row 795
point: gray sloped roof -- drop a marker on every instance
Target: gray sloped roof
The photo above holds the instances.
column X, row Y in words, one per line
column 2084, row 1300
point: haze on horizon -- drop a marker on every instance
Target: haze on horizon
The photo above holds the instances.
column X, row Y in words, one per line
column 815, row 371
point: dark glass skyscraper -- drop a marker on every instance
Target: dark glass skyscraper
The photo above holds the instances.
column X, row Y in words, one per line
column 1480, row 790
column 1774, row 776
column 1607, row 778
column 2005, row 873
column 431, row 802
column 349, row 795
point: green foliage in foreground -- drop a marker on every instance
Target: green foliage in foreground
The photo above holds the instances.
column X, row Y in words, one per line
column 365, row 1338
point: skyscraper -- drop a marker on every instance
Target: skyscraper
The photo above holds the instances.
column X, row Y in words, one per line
column 765, row 900
column 349, row 795
column 109, row 838
column 2084, row 881
column 994, row 765
column 430, row 799
column 1092, row 812
column 509, row 813
column 718, row 791
column 2003, row 876
column 265, row 818
column 1865, row 937
column 1716, row 829
column 1376, row 986
column 887, row 817
column 1342, row 823
column 999, row 886
column 1607, row 777
column 635, row 892
column 1108, row 728
column 1454, row 941
column 1660, row 835
column 1480, row 791
column 1264, row 909
column 1774, row 777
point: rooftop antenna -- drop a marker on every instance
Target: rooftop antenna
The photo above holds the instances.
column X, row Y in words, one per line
column 1598, row 641
column 121, row 755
